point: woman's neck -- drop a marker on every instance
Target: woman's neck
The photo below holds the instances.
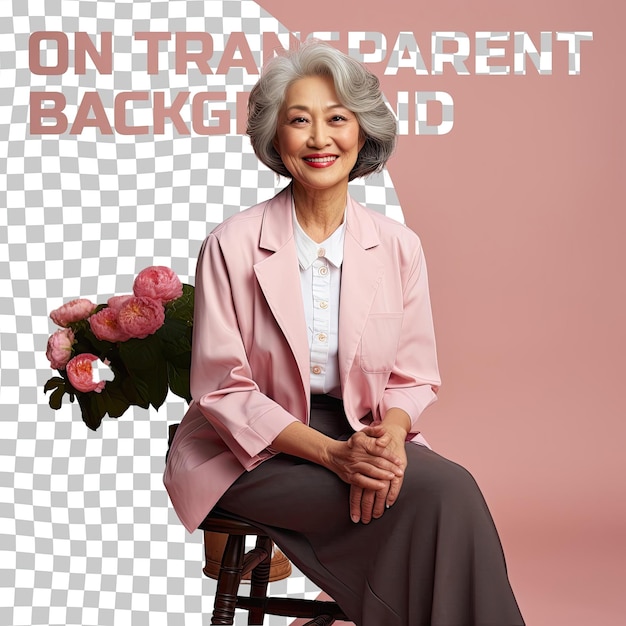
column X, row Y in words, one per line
column 319, row 212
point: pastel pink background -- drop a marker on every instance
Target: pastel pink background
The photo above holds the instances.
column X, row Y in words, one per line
column 522, row 211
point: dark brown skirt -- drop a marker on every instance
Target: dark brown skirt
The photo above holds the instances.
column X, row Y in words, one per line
column 433, row 559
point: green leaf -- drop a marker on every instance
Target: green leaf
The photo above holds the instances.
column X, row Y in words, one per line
column 179, row 381
column 136, row 394
column 69, row 389
column 56, row 397
column 157, row 384
column 146, row 366
column 139, row 354
column 58, row 387
column 100, row 403
column 53, row 383
column 91, row 412
column 182, row 308
column 175, row 338
column 115, row 401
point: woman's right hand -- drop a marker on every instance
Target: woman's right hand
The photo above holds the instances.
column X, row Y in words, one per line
column 361, row 462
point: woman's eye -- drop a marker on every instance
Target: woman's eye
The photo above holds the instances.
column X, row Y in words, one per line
column 338, row 118
column 298, row 120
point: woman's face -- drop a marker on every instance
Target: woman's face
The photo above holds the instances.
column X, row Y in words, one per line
column 318, row 139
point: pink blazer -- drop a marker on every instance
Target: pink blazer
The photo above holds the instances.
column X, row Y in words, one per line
column 250, row 358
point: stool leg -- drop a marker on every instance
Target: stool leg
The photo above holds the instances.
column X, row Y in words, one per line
column 228, row 581
column 259, row 580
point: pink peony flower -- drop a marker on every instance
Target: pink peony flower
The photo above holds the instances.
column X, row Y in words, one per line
column 59, row 348
column 104, row 325
column 81, row 373
column 158, row 282
column 72, row 311
column 116, row 302
column 141, row 316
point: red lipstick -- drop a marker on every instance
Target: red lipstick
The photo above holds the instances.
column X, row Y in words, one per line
column 320, row 160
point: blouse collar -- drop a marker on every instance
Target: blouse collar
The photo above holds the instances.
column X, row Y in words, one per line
column 308, row 250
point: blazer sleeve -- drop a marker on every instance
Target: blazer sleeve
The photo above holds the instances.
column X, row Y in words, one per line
column 222, row 383
column 414, row 379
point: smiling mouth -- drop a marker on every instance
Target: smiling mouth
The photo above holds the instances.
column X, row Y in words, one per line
column 322, row 159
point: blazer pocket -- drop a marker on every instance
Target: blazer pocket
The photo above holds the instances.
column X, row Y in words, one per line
column 379, row 342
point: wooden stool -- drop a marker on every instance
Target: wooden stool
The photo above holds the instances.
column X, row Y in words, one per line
column 237, row 563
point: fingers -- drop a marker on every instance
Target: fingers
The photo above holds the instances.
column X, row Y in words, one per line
column 355, row 503
column 374, row 431
column 354, row 464
column 386, row 435
column 380, row 470
column 372, row 447
column 363, row 454
column 367, row 504
column 366, row 482
column 394, row 492
column 380, row 503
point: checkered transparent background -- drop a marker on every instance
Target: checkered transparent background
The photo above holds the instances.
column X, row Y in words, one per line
column 87, row 534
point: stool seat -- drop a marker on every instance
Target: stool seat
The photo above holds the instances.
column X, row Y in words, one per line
column 214, row 543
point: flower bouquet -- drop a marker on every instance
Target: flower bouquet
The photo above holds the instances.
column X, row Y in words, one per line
column 130, row 351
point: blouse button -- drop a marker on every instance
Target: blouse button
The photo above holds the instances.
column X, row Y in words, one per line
column 316, row 369
column 323, row 270
column 323, row 304
column 321, row 252
column 322, row 337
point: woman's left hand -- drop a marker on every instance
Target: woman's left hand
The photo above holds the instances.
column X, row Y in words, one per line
column 366, row 504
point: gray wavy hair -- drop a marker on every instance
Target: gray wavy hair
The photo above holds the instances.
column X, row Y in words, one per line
column 357, row 89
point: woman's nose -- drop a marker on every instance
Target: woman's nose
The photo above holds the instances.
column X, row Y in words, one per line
column 319, row 135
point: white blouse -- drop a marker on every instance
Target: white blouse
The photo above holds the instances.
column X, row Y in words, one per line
column 320, row 279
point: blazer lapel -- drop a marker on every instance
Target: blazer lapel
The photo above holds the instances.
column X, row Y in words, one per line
column 278, row 276
column 361, row 274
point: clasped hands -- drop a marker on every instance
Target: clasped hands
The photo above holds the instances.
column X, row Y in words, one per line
column 372, row 462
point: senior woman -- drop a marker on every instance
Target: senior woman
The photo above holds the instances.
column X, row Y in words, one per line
column 313, row 357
